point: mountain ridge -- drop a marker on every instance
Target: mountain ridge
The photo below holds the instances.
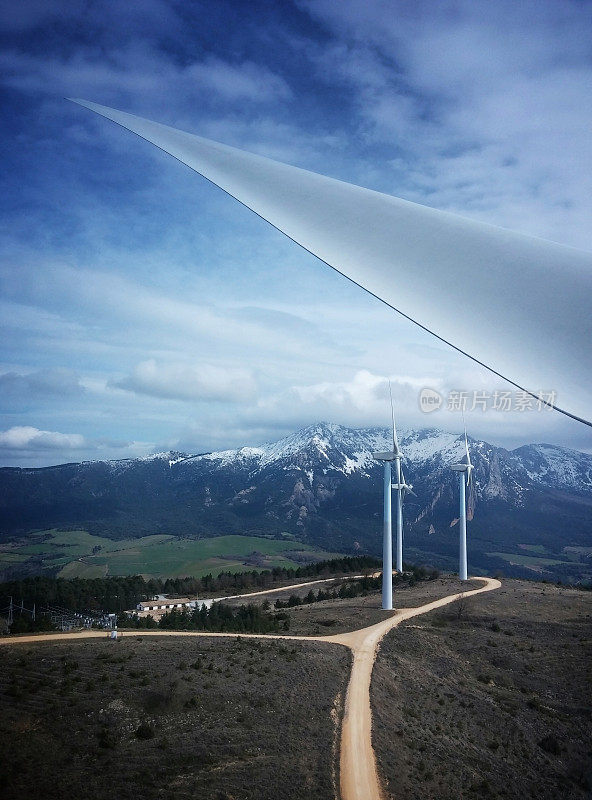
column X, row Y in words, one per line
column 378, row 438
column 322, row 485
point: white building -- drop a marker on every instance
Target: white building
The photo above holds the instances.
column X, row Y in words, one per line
column 166, row 604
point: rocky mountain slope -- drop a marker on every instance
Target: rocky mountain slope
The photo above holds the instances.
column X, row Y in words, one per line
column 322, row 485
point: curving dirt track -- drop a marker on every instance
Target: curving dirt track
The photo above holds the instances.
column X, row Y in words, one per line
column 359, row 776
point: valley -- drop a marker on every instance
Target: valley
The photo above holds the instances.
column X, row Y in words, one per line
column 318, row 489
column 78, row 554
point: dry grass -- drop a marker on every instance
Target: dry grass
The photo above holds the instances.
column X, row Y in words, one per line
column 340, row 616
column 486, row 698
column 493, row 701
column 177, row 718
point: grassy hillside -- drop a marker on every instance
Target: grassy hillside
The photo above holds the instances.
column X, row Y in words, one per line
column 79, row 554
column 170, row 719
column 489, row 698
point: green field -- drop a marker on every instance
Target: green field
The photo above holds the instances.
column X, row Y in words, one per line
column 79, row 554
column 532, row 562
column 534, row 548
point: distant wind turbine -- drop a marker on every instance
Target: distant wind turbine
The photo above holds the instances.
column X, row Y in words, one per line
column 387, row 534
column 402, row 488
column 465, row 474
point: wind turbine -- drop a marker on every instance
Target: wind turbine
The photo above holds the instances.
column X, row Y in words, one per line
column 387, row 533
column 465, row 473
column 402, row 488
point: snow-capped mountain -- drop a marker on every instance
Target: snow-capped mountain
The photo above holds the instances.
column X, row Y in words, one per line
column 338, row 448
column 327, row 448
column 323, row 485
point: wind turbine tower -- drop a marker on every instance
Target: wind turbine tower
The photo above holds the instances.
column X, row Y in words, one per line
column 465, row 471
column 402, row 488
column 387, row 532
column 387, row 536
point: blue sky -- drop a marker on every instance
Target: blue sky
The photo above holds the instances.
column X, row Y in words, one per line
column 142, row 309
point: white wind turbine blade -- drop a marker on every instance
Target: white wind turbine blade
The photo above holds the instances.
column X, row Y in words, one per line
column 395, row 439
column 408, row 488
column 467, row 454
column 470, row 483
column 470, row 466
column 471, row 499
column 529, row 319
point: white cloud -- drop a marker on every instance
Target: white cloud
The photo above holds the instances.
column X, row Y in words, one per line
column 25, row 445
column 364, row 392
column 144, row 75
column 25, row 437
column 241, row 81
column 189, row 382
column 361, row 399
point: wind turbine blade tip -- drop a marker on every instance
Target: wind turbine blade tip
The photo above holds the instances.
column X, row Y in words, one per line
column 395, row 438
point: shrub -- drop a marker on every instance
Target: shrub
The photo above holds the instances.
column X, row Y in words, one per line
column 160, row 700
column 108, row 737
column 550, row 745
column 145, row 731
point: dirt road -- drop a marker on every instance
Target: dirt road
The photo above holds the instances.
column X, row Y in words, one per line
column 359, row 776
column 209, row 600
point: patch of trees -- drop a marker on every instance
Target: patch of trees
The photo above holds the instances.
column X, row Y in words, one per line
column 412, row 574
column 219, row 618
column 360, row 587
column 78, row 594
column 23, row 623
column 356, row 588
column 117, row 594
column 265, row 579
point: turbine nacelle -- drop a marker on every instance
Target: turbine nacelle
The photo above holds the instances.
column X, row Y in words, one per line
column 391, row 455
column 403, row 486
column 468, row 468
column 406, row 488
column 464, row 465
